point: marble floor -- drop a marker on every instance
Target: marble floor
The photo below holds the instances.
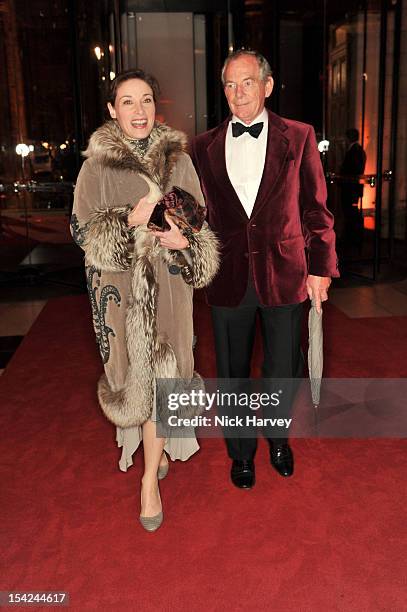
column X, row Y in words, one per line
column 380, row 300
column 16, row 319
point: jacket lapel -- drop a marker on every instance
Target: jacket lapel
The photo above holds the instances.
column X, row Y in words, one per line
column 217, row 160
column 276, row 156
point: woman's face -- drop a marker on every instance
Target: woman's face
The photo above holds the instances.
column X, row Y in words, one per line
column 134, row 108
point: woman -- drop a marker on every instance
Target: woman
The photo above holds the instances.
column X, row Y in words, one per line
column 142, row 308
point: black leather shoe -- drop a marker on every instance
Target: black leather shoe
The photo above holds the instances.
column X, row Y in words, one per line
column 282, row 459
column 243, row 474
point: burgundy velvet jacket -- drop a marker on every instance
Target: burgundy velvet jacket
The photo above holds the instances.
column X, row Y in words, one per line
column 290, row 232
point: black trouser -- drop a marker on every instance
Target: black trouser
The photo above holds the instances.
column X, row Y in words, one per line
column 235, row 329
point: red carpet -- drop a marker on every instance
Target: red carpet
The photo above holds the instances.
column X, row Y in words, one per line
column 330, row 539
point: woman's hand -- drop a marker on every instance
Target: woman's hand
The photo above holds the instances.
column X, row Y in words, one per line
column 173, row 239
column 141, row 213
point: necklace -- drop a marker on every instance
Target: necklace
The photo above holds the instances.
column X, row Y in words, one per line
column 139, row 146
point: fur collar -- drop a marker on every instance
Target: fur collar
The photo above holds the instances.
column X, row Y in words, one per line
column 108, row 145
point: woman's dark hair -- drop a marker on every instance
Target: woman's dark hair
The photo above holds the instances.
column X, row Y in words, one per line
column 134, row 73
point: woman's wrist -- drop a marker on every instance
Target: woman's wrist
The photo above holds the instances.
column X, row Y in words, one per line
column 130, row 218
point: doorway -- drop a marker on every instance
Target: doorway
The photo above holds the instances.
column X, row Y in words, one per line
column 337, row 67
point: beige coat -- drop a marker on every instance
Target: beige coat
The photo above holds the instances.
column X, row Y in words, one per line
column 142, row 313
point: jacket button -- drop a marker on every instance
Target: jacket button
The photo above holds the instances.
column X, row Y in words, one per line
column 253, row 225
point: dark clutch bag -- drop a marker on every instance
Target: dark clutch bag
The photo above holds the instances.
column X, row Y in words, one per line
column 157, row 220
column 186, row 212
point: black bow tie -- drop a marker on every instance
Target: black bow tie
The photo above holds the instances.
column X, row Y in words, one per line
column 254, row 130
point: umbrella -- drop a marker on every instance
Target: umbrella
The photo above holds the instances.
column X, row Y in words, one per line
column 315, row 352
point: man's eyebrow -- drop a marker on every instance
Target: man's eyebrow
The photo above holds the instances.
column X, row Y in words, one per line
column 248, row 76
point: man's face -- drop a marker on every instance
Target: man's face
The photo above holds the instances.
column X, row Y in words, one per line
column 244, row 90
column 134, row 108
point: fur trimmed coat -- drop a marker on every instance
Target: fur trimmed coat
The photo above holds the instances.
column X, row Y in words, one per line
column 142, row 313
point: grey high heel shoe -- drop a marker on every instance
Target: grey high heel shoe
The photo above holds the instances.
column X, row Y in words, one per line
column 152, row 523
column 163, row 471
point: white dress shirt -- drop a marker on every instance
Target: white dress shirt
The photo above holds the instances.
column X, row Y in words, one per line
column 245, row 158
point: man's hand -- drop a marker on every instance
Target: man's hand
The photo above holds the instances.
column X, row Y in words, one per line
column 173, row 239
column 141, row 213
column 317, row 287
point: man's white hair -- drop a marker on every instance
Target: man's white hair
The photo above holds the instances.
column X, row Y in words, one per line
column 264, row 67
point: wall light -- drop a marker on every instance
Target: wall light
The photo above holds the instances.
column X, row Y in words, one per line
column 323, row 146
column 22, row 149
column 98, row 52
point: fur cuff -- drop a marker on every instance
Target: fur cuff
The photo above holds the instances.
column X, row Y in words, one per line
column 108, row 240
column 129, row 407
column 204, row 249
column 121, row 409
column 165, row 388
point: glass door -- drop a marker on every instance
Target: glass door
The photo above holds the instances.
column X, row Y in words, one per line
column 53, row 89
column 359, row 105
column 337, row 67
column 37, row 165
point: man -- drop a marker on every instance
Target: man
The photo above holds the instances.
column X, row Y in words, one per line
column 265, row 192
column 352, row 166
